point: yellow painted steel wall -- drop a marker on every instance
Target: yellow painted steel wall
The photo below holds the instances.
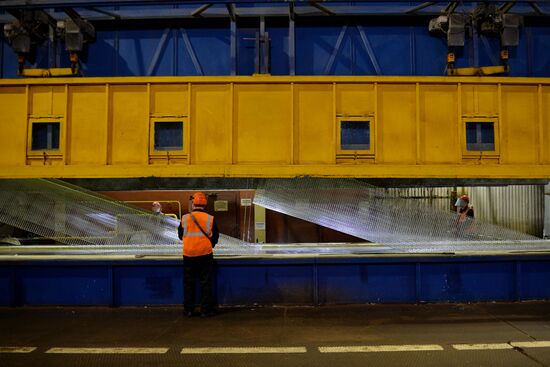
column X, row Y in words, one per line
column 276, row 126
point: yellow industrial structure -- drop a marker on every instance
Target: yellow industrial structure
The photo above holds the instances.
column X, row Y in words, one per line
column 262, row 126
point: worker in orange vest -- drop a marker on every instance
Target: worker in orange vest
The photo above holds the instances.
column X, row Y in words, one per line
column 463, row 209
column 200, row 234
column 465, row 215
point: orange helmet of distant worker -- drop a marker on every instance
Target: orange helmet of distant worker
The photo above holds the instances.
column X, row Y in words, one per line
column 465, row 198
column 199, row 199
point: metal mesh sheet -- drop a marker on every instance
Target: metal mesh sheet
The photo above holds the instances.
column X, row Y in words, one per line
column 77, row 217
column 379, row 215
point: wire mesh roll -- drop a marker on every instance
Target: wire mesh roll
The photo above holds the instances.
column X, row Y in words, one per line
column 378, row 215
column 77, row 217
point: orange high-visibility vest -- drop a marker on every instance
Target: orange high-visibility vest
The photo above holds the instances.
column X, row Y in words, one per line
column 195, row 243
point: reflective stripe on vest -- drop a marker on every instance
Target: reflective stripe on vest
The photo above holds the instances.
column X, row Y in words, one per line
column 195, row 243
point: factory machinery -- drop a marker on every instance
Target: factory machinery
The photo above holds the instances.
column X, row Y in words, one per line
column 106, row 251
column 307, row 172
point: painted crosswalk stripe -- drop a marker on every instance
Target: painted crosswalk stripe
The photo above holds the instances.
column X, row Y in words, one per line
column 16, row 349
column 381, row 348
column 487, row 346
column 537, row 344
column 107, row 350
column 243, row 350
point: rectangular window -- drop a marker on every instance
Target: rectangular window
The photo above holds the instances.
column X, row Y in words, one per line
column 480, row 136
column 45, row 136
column 168, row 135
column 355, row 135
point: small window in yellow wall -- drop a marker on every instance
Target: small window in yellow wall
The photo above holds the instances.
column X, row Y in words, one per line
column 355, row 139
column 168, row 136
column 480, row 136
column 168, row 140
column 45, row 136
column 354, row 135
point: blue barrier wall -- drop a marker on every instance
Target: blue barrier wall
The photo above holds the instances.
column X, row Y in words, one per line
column 308, row 281
column 394, row 46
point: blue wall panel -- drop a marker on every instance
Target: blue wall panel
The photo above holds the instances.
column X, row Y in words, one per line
column 7, row 285
column 540, row 46
column 364, row 283
column 154, row 285
column 399, row 46
column 534, row 280
column 307, row 281
column 64, row 285
column 279, row 284
column 467, row 281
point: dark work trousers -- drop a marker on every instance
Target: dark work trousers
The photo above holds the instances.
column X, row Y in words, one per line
column 198, row 268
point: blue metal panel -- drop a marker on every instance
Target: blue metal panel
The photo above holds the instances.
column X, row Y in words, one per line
column 7, row 286
column 64, row 285
column 150, row 285
column 138, row 47
column 540, row 46
column 520, row 56
column 398, row 45
column 534, row 278
column 102, row 57
column 305, row 281
column 265, row 284
column 391, row 46
column 363, row 283
column 430, row 53
column 211, row 45
column 279, row 50
column 245, row 50
column 484, row 281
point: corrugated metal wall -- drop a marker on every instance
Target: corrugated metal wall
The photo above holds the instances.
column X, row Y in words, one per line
column 547, row 211
column 519, row 207
column 438, row 198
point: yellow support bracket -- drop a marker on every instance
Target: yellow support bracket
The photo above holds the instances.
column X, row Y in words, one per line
column 46, row 73
column 479, row 71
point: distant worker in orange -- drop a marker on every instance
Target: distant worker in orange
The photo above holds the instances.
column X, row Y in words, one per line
column 463, row 208
column 156, row 208
column 200, row 234
column 465, row 215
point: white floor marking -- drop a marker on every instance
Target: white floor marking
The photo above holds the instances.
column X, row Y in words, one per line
column 490, row 346
column 242, row 350
column 537, row 344
column 16, row 349
column 381, row 348
column 107, row 350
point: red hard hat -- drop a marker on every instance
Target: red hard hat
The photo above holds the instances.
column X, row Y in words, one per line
column 465, row 198
column 199, row 199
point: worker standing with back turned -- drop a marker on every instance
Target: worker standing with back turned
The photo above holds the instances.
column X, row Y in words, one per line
column 200, row 234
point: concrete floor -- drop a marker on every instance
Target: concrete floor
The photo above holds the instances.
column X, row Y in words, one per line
column 305, row 332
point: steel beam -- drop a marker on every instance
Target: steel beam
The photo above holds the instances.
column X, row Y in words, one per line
column 191, row 51
column 291, row 44
column 76, row 3
column 158, row 51
column 233, row 46
column 368, row 48
column 102, row 11
column 315, row 4
column 337, row 46
column 420, row 7
column 536, row 8
column 200, row 10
